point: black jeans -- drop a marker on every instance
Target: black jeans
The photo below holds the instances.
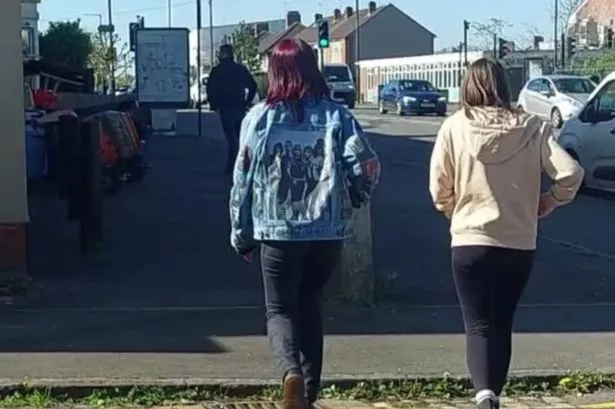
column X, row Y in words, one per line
column 231, row 125
column 294, row 277
column 489, row 283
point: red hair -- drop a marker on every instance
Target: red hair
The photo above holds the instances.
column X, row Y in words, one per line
column 294, row 76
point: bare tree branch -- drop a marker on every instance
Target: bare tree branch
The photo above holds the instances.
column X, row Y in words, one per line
column 565, row 10
column 482, row 33
column 526, row 39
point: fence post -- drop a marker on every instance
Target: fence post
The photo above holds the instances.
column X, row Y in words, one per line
column 91, row 200
column 354, row 280
column 68, row 161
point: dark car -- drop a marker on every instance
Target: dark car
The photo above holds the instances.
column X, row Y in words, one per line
column 411, row 97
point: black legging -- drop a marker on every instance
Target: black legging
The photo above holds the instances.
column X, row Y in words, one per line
column 489, row 283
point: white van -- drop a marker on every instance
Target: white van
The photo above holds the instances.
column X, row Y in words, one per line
column 589, row 136
column 341, row 83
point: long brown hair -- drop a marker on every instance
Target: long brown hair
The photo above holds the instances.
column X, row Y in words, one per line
column 485, row 85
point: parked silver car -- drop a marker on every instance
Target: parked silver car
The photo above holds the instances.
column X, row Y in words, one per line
column 555, row 97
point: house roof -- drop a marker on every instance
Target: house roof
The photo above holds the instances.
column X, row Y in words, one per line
column 268, row 41
column 341, row 29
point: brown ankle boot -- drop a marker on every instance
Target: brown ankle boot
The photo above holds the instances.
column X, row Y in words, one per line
column 294, row 392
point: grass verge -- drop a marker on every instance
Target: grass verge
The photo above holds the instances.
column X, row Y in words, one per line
column 443, row 388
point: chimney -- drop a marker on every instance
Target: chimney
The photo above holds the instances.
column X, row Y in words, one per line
column 348, row 12
column 337, row 14
column 371, row 7
column 292, row 17
column 317, row 17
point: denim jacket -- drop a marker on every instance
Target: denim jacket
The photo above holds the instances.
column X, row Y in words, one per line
column 299, row 181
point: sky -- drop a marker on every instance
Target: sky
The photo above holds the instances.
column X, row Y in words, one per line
column 443, row 17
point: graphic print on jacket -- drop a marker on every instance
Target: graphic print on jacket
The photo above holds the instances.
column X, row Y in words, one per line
column 299, row 181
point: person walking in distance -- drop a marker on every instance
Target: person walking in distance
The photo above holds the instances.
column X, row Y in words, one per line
column 230, row 91
column 299, row 250
column 485, row 176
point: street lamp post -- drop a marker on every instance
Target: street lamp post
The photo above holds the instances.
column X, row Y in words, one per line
column 111, row 45
column 170, row 12
column 555, row 35
column 199, row 29
column 211, row 35
column 100, row 18
column 357, row 53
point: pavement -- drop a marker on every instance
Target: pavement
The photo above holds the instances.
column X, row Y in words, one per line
column 518, row 403
column 166, row 300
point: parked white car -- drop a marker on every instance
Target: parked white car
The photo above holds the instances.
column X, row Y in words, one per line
column 589, row 136
column 556, row 98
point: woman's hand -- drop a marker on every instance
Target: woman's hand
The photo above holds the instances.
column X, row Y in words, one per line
column 546, row 204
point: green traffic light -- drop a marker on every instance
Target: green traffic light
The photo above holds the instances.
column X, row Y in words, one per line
column 324, row 43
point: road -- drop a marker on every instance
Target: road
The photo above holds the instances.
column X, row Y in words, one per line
column 167, row 298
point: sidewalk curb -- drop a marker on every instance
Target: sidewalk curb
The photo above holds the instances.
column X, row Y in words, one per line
column 243, row 388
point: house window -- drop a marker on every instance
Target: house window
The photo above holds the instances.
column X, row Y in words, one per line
column 27, row 41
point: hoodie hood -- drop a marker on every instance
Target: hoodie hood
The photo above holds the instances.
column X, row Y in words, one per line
column 494, row 135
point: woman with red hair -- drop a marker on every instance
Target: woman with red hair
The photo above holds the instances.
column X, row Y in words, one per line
column 303, row 165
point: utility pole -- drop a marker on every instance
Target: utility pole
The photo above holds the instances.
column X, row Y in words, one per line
column 357, row 53
column 211, row 35
column 111, row 45
column 170, row 12
column 199, row 29
column 495, row 46
column 555, row 31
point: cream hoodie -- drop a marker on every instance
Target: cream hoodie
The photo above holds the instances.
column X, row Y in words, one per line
column 485, row 175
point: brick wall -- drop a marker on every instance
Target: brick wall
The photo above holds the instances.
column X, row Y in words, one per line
column 603, row 11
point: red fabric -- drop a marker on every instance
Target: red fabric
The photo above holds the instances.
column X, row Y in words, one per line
column 45, row 99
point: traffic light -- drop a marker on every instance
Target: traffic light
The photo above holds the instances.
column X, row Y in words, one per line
column 571, row 46
column 323, row 34
column 505, row 47
column 610, row 38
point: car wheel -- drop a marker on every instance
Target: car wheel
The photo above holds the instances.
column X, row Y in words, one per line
column 351, row 104
column 400, row 109
column 381, row 108
column 556, row 118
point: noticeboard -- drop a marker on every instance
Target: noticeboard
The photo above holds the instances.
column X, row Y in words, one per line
column 162, row 66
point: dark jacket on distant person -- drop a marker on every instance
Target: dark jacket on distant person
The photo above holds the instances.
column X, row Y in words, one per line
column 227, row 85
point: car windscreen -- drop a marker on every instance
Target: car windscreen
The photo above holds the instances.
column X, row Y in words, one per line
column 337, row 74
column 574, row 85
column 417, row 86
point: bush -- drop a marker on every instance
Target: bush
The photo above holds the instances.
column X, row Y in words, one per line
column 262, row 84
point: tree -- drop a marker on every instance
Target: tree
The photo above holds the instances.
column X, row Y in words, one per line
column 103, row 55
column 482, row 33
column 600, row 66
column 245, row 43
column 66, row 43
column 564, row 12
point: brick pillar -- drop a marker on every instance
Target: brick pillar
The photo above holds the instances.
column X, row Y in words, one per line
column 14, row 203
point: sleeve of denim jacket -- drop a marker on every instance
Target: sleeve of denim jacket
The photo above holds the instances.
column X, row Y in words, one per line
column 360, row 161
column 240, row 202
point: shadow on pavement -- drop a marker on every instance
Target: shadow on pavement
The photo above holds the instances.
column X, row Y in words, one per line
column 167, row 280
